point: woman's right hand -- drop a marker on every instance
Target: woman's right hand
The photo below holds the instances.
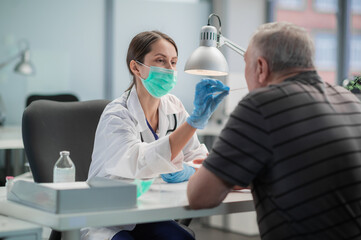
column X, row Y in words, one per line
column 209, row 93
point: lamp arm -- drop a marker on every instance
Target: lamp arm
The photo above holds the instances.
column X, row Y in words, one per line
column 3, row 64
column 235, row 47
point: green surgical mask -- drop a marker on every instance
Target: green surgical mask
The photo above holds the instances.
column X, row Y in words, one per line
column 160, row 81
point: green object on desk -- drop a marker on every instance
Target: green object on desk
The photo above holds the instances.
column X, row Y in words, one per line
column 143, row 186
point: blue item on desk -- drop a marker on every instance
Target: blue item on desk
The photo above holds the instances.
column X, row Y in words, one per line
column 180, row 176
column 209, row 93
column 143, row 185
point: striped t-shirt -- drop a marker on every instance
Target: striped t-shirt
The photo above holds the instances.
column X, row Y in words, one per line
column 298, row 144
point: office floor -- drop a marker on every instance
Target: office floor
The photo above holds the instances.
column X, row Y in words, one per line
column 208, row 233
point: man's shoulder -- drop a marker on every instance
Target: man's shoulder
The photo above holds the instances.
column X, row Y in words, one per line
column 263, row 95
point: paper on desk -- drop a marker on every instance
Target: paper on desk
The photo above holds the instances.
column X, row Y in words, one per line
column 160, row 185
column 192, row 164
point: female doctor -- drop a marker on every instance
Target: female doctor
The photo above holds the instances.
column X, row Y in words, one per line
column 146, row 132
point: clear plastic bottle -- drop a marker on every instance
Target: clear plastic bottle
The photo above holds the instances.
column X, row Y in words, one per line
column 64, row 168
column 9, row 183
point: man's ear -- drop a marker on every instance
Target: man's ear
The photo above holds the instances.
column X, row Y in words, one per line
column 262, row 71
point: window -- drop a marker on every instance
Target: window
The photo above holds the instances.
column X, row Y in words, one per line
column 327, row 6
column 325, row 51
column 291, row 4
column 323, row 29
column 356, row 6
column 355, row 39
column 355, row 54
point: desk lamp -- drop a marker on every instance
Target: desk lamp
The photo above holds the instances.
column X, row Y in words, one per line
column 207, row 60
column 23, row 67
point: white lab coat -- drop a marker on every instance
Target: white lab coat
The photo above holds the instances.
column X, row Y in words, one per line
column 125, row 147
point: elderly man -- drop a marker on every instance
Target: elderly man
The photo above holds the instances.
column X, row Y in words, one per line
column 294, row 139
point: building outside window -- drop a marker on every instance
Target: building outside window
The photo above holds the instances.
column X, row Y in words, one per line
column 318, row 17
column 355, row 55
column 325, row 51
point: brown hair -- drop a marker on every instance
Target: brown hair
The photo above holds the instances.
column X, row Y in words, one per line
column 141, row 45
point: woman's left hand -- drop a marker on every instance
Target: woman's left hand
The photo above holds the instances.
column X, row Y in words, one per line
column 180, row 176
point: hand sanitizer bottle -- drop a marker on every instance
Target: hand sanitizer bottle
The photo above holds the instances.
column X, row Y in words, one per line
column 64, row 168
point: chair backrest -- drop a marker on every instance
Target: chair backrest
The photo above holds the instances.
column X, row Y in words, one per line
column 66, row 97
column 49, row 127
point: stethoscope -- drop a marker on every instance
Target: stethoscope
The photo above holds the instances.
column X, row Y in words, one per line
column 151, row 129
column 155, row 135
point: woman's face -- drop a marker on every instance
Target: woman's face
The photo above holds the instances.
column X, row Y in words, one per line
column 163, row 54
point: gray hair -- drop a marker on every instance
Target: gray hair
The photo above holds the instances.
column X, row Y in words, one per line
column 284, row 46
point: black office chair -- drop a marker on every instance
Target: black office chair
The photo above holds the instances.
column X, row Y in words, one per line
column 49, row 127
column 64, row 97
column 61, row 97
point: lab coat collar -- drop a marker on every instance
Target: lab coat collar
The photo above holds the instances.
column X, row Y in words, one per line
column 136, row 109
column 168, row 106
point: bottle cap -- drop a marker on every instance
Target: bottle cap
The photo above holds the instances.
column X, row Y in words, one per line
column 64, row 153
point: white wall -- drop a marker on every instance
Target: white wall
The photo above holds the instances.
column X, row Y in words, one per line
column 66, row 39
column 240, row 18
column 180, row 20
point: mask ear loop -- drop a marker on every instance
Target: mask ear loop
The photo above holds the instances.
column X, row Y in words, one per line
column 142, row 79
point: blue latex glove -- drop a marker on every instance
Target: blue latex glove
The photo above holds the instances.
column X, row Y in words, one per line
column 180, row 176
column 209, row 93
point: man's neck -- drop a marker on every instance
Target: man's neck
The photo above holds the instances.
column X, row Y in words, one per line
column 279, row 77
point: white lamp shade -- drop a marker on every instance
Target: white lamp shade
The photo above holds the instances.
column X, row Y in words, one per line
column 207, row 61
column 25, row 67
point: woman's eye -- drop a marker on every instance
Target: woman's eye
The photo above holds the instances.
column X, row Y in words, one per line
column 161, row 60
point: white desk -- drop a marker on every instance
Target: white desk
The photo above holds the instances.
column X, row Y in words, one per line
column 162, row 202
column 11, row 139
